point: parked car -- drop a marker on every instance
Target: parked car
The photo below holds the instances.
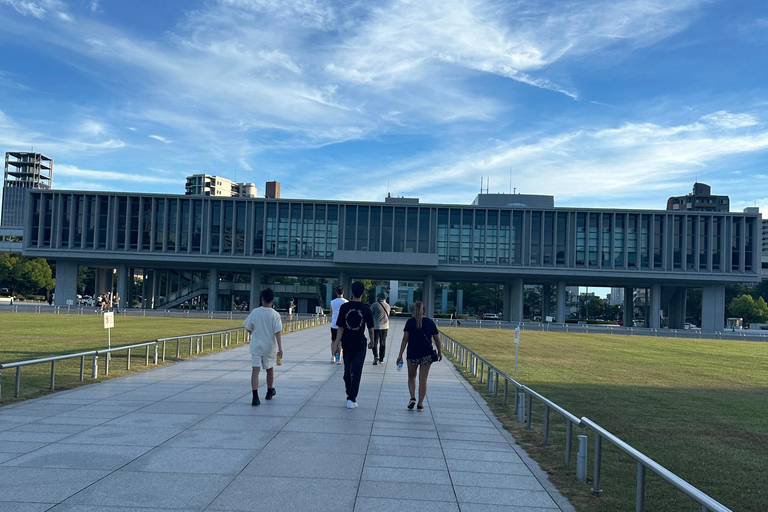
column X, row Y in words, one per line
column 86, row 300
column 491, row 316
column 691, row 326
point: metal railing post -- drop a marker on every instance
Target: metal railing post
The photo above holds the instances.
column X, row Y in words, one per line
column 521, row 407
column 568, row 438
column 82, row 368
column 147, row 361
column 530, row 411
column 581, row 460
column 128, row 363
column 506, row 386
column 598, row 457
column 95, row 369
column 154, row 358
column 190, row 345
column 18, row 382
column 546, row 424
column 496, row 384
column 53, row 375
column 640, row 497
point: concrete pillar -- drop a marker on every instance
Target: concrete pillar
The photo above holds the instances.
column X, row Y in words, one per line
column 410, row 300
column 517, row 300
column 677, row 308
column 66, row 282
column 153, row 292
column 655, row 314
column 428, row 295
column 629, row 307
column 255, row 297
column 329, row 294
column 444, row 301
column 712, row 307
column 561, row 305
column 546, row 292
column 102, row 281
column 122, row 285
column 213, row 289
column 459, row 302
column 506, row 302
column 346, row 282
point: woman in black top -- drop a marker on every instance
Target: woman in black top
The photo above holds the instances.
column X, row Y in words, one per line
column 418, row 334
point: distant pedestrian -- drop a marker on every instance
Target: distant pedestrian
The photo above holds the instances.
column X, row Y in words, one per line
column 335, row 340
column 50, row 299
column 117, row 303
column 418, row 334
column 455, row 320
column 381, row 311
column 354, row 318
column 265, row 327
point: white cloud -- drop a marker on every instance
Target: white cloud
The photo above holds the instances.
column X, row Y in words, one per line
column 729, row 121
column 160, row 138
column 39, row 8
column 106, row 179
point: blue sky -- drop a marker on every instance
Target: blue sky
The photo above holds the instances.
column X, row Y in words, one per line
column 615, row 104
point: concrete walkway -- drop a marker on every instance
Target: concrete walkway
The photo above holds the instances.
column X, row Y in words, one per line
column 185, row 437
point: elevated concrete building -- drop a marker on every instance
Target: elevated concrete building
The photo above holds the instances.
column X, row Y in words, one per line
column 664, row 252
column 23, row 171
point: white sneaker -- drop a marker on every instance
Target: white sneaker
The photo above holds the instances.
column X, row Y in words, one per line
column 351, row 404
column 333, row 359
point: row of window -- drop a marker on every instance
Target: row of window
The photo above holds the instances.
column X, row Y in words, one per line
column 461, row 235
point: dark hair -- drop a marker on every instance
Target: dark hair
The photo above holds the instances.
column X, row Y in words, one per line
column 339, row 291
column 358, row 289
column 418, row 313
column 267, row 295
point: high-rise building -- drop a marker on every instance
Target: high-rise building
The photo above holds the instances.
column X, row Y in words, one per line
column 207, row 185
column 23, row 171
column 700, row 200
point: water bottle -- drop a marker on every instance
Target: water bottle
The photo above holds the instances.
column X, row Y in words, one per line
column 399, row 365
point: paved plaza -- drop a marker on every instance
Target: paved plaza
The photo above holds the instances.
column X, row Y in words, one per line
column 185, row 437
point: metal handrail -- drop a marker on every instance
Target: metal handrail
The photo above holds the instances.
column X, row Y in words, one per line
column 4, row 366
column 643, row 461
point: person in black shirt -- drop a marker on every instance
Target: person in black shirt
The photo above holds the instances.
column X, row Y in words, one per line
column 418, row 334
column 354, row 317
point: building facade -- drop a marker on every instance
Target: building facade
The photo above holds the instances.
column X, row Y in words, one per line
column 23, row 171
column 700, row 200
column 216, row 186
column 663, row 251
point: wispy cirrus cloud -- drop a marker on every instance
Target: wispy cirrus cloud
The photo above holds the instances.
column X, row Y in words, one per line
column 67, row 174
column 160, row 138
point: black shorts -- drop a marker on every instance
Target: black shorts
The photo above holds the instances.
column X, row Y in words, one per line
column 333, row 333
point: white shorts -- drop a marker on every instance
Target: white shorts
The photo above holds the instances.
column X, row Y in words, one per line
column 265, row 362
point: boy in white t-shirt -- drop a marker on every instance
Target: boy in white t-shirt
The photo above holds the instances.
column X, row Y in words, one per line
column 265, row 327
column 335, row 341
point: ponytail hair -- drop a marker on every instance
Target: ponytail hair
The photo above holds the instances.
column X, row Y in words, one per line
column 418, row 313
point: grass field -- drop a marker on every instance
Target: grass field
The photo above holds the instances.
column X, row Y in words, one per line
column 698, row 407
column 30, row 336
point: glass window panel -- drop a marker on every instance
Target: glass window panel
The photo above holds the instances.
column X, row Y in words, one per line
column 619, row 236
column 184, row 225
column 374, row 233
column 362, row 228
column 454, row 236
column 658, row 241
column 399, row 231
column 748, row 241
column 294, row 238
column 307, row 231
column 412, row 230
column 283, row 228
column 122, row 221
column 478, row 237
column 387, row 219
column 704, row 242
column 677, row 242
column 350, row 221
column 320, row 231
column 67, row 212
column 492, row 238
column 172, row 217
column 593, row 239
column 562, row 236
column 258, row 229
column 549, row 238
column 690, row 242
column 270, row 240
column 332, row 240
column 535, row 238
column 717, row 240
column 197, row 224
column 239, row 227
column 90, row 221
column 442, row 235
column 517, row 238
column 504, row 237
column 606, row 241
column 215, row 227
column 466, row 236
column 146, row 223
column 228, row 212
column 735, row 244
column 581, row 238
column 133, row 239
column 645, row 228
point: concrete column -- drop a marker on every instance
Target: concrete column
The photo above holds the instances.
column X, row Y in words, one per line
column 517, row 300
column 459, row 302
column 561, row 298
column 103, row 283
column 629, row 307
column 410, row 300
column 506, row 302
column 346, row 282
column 655, row 314
column 712, row 307
column 66, row 282
column 444, row 301
column 213, row 289
column 546, row 292
column 428, row 295
column 329, row 294
column 255, row 300
column 122, row 285
column 677, row 308
column 153, row 293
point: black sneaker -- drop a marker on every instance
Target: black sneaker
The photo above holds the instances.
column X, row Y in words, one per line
column 420, row 408
column 375, row 361
column 255, row 401
column 411, row 404
column 270, row 393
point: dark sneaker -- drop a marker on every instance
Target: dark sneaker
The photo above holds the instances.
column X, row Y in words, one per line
column 270, row 393
column 375, row 362
column 420, row 408
column 411, row 404
column 255, row 401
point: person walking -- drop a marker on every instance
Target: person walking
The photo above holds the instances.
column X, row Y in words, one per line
column 418, row 334
column 381, row 311
column 265, row 327
column 455, row 320
column 354, row 317
column 335, row 340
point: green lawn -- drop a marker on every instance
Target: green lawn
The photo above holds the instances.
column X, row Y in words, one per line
column 698, row 407
column 31, row 336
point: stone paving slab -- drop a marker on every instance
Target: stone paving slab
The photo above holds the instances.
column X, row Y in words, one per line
column 184, row 437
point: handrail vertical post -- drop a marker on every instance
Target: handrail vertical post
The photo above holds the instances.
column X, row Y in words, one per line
column 640, row 498
column 530, row 412
column 53, row 375
column 546, row 424
column 106, row 364
column 178, row 354
column 147, row 359
column 82, row 367
column 506, row 387
column 18, row 382
column 128, row 364
column 568, row 439
column 154, row 358
column 496, row 384
column 95, row 369
column 598, row 456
